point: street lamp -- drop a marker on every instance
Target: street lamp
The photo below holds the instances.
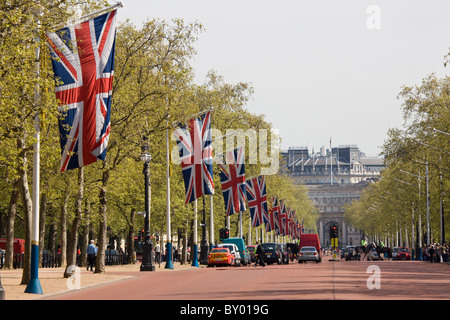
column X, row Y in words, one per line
column 147, row 258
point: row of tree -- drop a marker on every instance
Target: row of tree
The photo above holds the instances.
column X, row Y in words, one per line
column 153, row 86
column 407, row 205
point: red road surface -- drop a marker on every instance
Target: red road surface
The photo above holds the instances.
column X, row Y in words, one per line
column 338, row 280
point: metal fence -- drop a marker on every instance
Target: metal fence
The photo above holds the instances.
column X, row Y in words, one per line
column 50, row 260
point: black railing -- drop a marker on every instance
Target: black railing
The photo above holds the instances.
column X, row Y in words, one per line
column 50, row 260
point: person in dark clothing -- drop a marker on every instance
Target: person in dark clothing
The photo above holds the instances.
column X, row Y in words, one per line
column 259, row 255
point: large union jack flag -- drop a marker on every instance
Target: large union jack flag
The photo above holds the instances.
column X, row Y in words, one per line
column 257, row 200
column 194, row 145
column 232, row 177
column 83, row 63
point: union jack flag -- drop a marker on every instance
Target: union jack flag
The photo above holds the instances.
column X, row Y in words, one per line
column 282, row 217
column 276, row 215
column 287, row 221
column 194, row 145
column 232, row 177
column 257, row 200
column 83, row 63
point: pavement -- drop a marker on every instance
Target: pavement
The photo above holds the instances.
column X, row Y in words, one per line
column 53, row 282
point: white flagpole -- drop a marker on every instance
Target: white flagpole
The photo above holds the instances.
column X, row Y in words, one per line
column 194, row 245
column 169, row 263
column 86, row 17
column 34, row 285
column 211, row 224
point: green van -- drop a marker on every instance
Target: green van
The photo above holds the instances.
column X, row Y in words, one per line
column 239, row 242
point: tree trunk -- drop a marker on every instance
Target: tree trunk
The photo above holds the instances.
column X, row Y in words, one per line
column 72, row 253
column 42, row 217
column 100, row 261
column 130, row 246
column 85, row 238
column 12, row 210
column 27, row 208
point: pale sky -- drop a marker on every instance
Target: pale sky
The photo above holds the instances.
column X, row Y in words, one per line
column 317, row 69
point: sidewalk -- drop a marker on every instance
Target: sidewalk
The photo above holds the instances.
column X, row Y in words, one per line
column 53, row 282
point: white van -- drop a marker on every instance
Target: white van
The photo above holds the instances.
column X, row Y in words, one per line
column 234, row 251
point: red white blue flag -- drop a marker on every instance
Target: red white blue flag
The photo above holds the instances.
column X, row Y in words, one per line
column 83, row 64
column 195, row 148
column 282, row 217
column 232, row 177
column 276, row 216
column 257, row 199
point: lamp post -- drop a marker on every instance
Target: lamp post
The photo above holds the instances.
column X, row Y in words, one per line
column 147, row 258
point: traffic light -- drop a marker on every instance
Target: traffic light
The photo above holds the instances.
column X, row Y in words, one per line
column 334, row 232
column 224, row 234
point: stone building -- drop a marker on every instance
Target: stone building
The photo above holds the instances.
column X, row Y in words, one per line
column 333, row 179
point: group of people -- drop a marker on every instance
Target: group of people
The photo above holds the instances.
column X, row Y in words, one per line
column 436, row 253
column 159, row 257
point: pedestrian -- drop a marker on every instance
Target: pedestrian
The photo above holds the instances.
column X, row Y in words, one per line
column 431, row 253
column 158, row 252
column 91, row 254
column 259, row 255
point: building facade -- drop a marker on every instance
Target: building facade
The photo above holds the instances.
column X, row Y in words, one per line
column 333, row 178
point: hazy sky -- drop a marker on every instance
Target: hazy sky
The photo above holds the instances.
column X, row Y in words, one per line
column 317, row 69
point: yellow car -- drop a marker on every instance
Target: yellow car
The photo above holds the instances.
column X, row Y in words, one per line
column 221, row 257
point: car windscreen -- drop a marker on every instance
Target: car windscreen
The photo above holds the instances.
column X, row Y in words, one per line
column 308, row 249
column 268, row 247
column 219, row 250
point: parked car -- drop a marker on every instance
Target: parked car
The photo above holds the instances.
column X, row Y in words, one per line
column 271, row 253
column 220, row 257
column 252, row 252
column 234, row 251
column 394, row 253
column 239, row 242
column 284, row 253
column 403, row 253
column 308, row 254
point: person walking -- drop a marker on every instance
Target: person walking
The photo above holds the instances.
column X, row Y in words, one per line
column 158, row 253
column 259, row 255
column 91, row 254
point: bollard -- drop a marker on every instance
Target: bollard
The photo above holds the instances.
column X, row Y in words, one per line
column 2, row 291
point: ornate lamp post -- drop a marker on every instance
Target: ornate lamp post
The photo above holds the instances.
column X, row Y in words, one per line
column 147, row 258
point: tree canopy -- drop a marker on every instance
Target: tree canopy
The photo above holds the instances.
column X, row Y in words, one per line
column 153, row 86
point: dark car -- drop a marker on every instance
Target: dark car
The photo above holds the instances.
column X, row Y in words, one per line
column 284, row 253
column 271, row 253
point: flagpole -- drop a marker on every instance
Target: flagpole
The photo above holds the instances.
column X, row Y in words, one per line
column 211, row 224
column 194, row 244
column 169, row 263
column 86, row 17
column 175, row 123
column 34, row 285
column 240, row 224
